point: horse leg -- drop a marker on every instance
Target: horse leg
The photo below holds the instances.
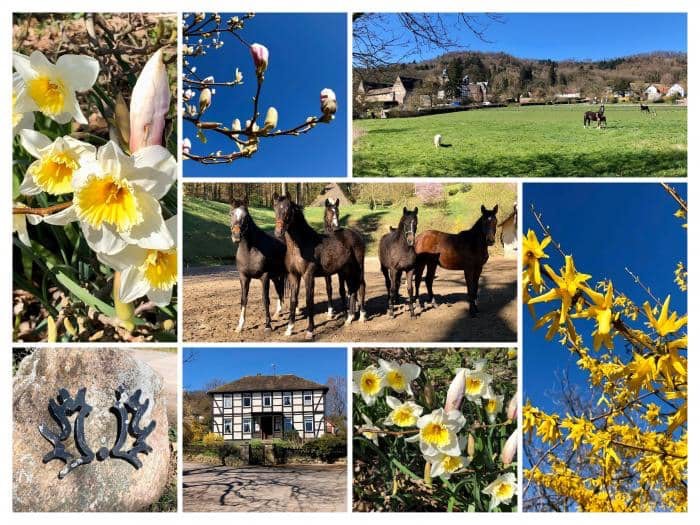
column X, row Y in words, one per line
column 245, row 285
column 418, row 272
column 341, row 290
column 429, row 278
column 352, row 282
column 394, row 292
column 309, row 285
column 409, row 286
column 329, row 292
column 361, row 297
column 293, row 297
column 279, row 288
column 266, row 301
column 387, row 282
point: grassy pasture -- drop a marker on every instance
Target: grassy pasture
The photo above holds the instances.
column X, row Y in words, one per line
column 537, row 141
column 207, row 237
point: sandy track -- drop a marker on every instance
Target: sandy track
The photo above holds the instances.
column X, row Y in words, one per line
column 212, row 306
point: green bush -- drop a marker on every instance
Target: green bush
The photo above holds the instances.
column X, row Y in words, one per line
column 228, row 450
column 291, row 435
column 327, row 448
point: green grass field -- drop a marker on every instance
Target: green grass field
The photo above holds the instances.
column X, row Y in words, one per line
column 535, row 141
column 207, row 237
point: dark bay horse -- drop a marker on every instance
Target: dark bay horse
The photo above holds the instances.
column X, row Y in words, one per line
column 311, row 254
column 466, row 251
column 598, row 117
column 397, row 255
column 352, row 240
column 259, row 256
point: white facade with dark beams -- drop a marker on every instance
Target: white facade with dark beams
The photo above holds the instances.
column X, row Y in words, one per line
column 265, row 407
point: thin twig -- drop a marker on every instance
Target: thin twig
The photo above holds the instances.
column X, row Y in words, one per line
column 20, row 210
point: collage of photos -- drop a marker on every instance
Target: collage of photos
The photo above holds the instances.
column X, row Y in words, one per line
column 349, row 263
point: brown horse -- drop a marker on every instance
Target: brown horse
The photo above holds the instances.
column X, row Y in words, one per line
column 466, row 251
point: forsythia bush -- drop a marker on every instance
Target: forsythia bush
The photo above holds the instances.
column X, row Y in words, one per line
column 631, row 450
column 210, row 438
column 435, row 430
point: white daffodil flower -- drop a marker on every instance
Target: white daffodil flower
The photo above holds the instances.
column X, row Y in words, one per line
column 501, row 490
column 402, row 414
column 116, row 199
column 152, row 273
column 399, row 377
column 19, row 223
column 56, row 162
column 50, row 88
column 445, row 465
column 370, row 430
column 476, row 382
column 438, row 433
column 20, row 119
column 493, row 405
column 369, row 383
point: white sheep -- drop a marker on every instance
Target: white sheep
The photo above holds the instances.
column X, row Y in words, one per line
column 437, row 140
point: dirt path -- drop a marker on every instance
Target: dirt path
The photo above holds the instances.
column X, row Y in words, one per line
column 293, row 488
column 212, row 307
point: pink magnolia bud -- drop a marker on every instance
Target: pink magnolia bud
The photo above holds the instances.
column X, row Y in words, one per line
column 261, row 57
column 150, row 101
column 512, row 410
column 510, row 448
column 455, row 393
column 186, row 146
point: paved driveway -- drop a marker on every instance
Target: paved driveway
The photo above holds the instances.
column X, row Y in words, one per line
column 297, row 488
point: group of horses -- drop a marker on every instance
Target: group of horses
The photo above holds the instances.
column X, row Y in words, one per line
column 297, row 252
column 599, row 116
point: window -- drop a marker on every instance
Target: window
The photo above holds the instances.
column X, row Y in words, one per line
column 228, row 401
column 246, row 425
column 309, row 424
column 267, row 399
column 278, row 424
column 288, row 424
column 246, row 400
column 228, row 426
column 287, row 399
column 308, row 398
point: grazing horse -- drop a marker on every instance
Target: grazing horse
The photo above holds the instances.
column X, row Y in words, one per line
column 311, row 254
column 466, row 251
column 598, row 116
column 352, row 240
column 644, row 108
column 259, row 256
column 397, row 255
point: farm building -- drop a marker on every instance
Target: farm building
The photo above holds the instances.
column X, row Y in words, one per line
column 655, row 92
column 389, row 95
column 265, row 407
column 676, row 89
column 474, row 92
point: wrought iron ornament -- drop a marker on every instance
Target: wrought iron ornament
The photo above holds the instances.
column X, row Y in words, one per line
column 65, row 406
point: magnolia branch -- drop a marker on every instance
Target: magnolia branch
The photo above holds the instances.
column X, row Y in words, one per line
column 49, row 210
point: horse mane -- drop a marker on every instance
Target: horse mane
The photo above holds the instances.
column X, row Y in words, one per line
column 299, row 221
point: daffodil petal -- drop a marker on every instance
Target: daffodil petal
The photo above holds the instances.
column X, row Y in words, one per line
column 33, row 142
column 160, row 297
column 151, row 233
column 104, row 239
column 82, row 70
column 63, row 217
column 133, row 285
column 156, row 170
column 132, row 255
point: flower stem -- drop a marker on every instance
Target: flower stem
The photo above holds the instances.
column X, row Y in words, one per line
column 41, row 211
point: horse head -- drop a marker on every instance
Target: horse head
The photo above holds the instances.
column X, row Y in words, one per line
column 408, row 225
column 331, row 217
column 284, row 213
column 488, row 224
column 240, row 219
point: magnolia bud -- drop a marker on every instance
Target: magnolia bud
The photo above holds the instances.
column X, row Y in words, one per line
column 510, row 448
column 512, row 410
column 186, row 146
column 261, row 57
column 270, row 119
column 455, row 393
column 150, row 101
column 328, row 104
column 204, row 100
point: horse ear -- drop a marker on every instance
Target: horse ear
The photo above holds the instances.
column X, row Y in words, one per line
column 337, row 202
column 328, row 202
column 415, row 210
column 275, row 196
column 245, row 201
column 288, row 196
column 234, row 204
column 405, row 210
column 495, row 209
column 483, row 210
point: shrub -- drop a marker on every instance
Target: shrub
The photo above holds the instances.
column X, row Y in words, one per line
column 228, row 450
column 327, row 448
column 291, row 435
column 211, row 438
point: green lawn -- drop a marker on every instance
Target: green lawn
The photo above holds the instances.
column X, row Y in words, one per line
column 207, row 237
column 533, row 141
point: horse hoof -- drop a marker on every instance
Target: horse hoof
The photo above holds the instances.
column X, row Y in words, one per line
column 433, row 304
column 363, row 316
column 288, row 331
column 267, row 330
column 348, row 321
column 309, row 336
column 330, row 314
column 239, row 329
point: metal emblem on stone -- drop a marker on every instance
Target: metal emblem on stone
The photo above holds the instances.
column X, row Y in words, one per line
column 128, row 410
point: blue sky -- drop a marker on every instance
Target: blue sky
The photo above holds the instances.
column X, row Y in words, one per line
column 606, row 226
column 308, row 52
column 316, row 364
column 559, row 36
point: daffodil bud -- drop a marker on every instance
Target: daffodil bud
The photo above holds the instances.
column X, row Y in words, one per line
column 471, row 446
column 328, row 104
column 204, row 100
column 261, row 57
column 455, row 394
column 512, row 410
column 270, row 119
column 150, row 101
column 510, row 448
